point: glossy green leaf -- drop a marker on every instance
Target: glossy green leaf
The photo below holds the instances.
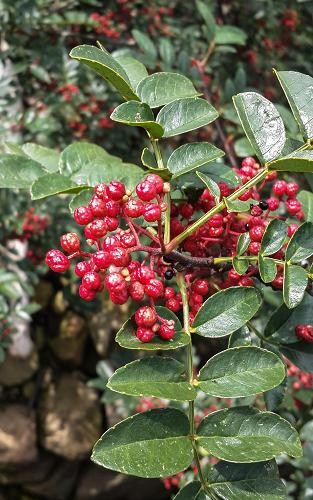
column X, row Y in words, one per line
column 298, row 88
column 259, row 481
column 274, row 237
column 17, row 172
column 191, row 156
column 306, row 199
column 53, row 184
column 211, row 185
column 167, row 52
column 226, row 311
column 300, row 246
column 267, row 268
column 240, row 337
column 157, row 376
column 262, row 124
column 126, row 336
column 240, row 265
column 134, row 69
column 300, row 354
column 298, row 161
column 47, row 157
column 237, row 205
column 82, row 198
column 159, row 89
column 79, row 154
column 295, row 283
column 145, row 43
column 106, row 66
column 306, row 432
column 208, row 18
column 192, row 491
column 186, row 114
column 137, row 114
column 230, row 35
column 274, row 397
column 243, row 147
column 243, row 243
column 143, row 445
column 148, row 159
column 240, row 372
column 243, row 434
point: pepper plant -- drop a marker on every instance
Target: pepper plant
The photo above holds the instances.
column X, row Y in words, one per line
column 197, row 245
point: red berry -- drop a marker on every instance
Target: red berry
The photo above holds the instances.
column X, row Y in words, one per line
column 292, row 189
column 119, row 297
column 300, row 215
column 134, row 208
column 128, row 240
column 292, row 228
column 254, row 247
column 293, row 206
column 169, row 293
column 224, row 189
column 173, row 304
column 279, row 188
column 145, row 274
column 101, row 259
column 112, row 223
column 186, row 210
column 100, row 190
column 144, row 334
column 83, row 215
column 91, row 280
column 256, row 233
column 248, row 162
column 233, row 275
column 113, row 208
column 154, row 289
column 304, row 332
column 86, row 293
column 115, row 282
column 145, row 316
column 278, row 281
column 120, row 257
column 246, row 196
column 166, row 332
column 216, row 232
column 273, row 203
column 110, row 242
column 57, row 261
column 201, row 287
column 146, row 191
column 136, row 291
column 70, row 242
column 152, row 212
column 216, row 220
column 115, row 190
column 246, row 281
column 157, row 181
column 256, row 211
column 98, row 207
column 82, row 268
column 96, row 229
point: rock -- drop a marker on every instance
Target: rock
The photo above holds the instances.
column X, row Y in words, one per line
column 70, row 417
column 69, row 344
column 59, row 484
column 97, row 483
column 43, row 293
column 17, row 435
column 15, row 370
column 35, row 472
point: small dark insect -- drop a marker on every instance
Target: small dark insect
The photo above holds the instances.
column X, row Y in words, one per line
column 168, row 275
column 263, row 204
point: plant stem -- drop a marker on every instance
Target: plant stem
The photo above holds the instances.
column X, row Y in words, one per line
column 157, row 152
column 167, row 197
column 189, row 374
column 260, row 335
column 174, row 243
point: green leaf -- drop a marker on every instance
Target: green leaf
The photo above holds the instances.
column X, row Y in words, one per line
column 237, row 205
column 79, row 154
column 243, row 147
column 134, row 69
column 126, row 336
column 47, row 157
column 241, row 371
column 162, row 88
column 298, row 88
column 306, row 199
column 240, row 265
column 259, row 481
column 298, row 161
column 192, row 491
column 145, row 43
column 208, row 18
column 150, row 444
column 267, row 268
column 274, row 237
column 191, row 156
column 167, row 52
column 211, row 185
column 137, row 114
column 274, row 397
column 243, row 243
column 240, row 337
column 243, row 434
column 300, row 246
column 306, row 433
column 17, row 172
column 262, row 124
column 82, row 198
column 226, row 311
column 148, row 159
column 53, row 184
column 230, row 35
column 157, row 376
column 295, row 283
column 300, row 354
column 106, row 66
column 186, row 114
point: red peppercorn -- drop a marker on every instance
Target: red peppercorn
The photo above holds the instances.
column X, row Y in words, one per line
column 119, row 297
column 98, row 207
column 145, row 274
column 115, row 282
column 112, row 223
column 248, row 162
column 157, row 181
column 134, row 208
column 136, row 291
column 246, row 196
column 254, row 247
column 186, row 210
column 146, row 191
column 246, row 281
column 110, row 242
column 86, row 293
column 200, row 287
column 128, row 240
column 91, row 280
column 292, row 189
column 233, row 275
column 273, row 203
column 154, row 289
column 144, row 334
column 120, row 257
column 279, row 188
column 82, row 268
column 216, row 220
column 292, row 228
column 145, row 316
column 293, row 206
column 166, row 332
column 169, row 293
column 96, row 229
column 100, row 190
column 224, row 189
column 113, row 208
column 102, row 259
column 70, row 242
column 216, row 232
column 83, row 215
column 278, row 281
column 115, row 190
column 152, row 212
column 304, row 332
column 173, row 304
column 256, row 233
column 57, row 261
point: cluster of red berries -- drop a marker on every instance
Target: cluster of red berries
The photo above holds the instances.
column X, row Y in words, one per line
column 304, row 332
column 104, row 24
column 67, row 91
column 33, row 224
column 301, row 380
